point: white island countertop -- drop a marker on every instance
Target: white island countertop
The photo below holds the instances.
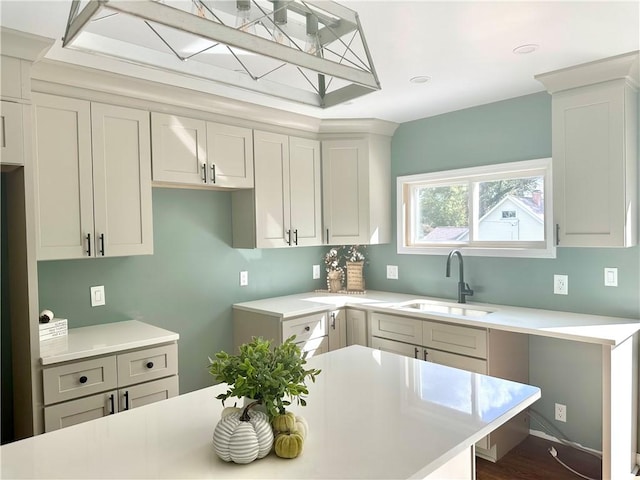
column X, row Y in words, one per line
column 371, row 415
column 103, row 339
column 580, row 327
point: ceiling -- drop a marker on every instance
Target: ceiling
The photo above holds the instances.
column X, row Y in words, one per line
column 466, row 48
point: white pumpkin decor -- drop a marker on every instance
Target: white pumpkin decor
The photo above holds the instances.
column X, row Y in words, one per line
column 243, row 436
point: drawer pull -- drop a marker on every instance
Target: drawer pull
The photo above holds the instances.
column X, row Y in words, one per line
column 149, row 364
column 112, row 403
column 425, row 354
column 83, row 379
column 307, row 328
column 415, row 352
column 126, row 400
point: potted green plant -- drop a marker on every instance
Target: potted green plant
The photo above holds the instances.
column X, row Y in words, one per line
column 272, row 376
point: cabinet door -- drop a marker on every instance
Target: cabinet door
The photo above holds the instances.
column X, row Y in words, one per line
column 400, row 348
column 356, row 327
column 64, row 179
column 315, row 346
column 272, row 199
column 590, row 194
column 77, row 411
column 337, row 329
column 455, row 338
column 345, row 187
column 11, row 138
column 145, row 393
column 179, row 149
column 304, row 187
column 229, row 156
column 121, row 180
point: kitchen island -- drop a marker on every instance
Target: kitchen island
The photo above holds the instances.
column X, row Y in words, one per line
column 371, row 414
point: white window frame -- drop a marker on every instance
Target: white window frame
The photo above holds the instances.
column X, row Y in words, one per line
column 527, row 168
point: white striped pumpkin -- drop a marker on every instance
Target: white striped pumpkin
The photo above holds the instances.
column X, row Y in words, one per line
column 242, row 441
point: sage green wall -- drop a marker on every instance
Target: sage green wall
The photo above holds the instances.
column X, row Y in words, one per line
column 187, row 285
column 511, row 130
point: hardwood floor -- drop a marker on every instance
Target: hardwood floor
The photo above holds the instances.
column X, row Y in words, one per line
column 531, row 461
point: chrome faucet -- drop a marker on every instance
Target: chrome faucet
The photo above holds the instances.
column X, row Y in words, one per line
column 463, row 288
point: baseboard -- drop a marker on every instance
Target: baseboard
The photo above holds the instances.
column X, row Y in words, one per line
column 540, row 434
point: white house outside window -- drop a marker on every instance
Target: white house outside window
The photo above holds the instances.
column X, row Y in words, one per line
column 493, row 210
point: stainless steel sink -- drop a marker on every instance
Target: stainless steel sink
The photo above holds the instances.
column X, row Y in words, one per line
column 442, row 307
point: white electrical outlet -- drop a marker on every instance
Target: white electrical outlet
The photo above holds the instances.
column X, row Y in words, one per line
column 244, row 278
column 610, row 277
column 561, row 412
column 316, row 272
column 97, row 296
column 561, row 284
column 392, row 272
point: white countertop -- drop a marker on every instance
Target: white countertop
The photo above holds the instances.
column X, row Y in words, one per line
column 548, row 323
column 371, row 414
column 102, row 339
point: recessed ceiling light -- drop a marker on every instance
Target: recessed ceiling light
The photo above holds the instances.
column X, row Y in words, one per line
column 524, row 49
column 420, row 79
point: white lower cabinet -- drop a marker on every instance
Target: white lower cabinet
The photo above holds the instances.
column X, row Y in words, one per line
column 356, row 327
column 337, row 329
column 485, row 351
column 78, row 391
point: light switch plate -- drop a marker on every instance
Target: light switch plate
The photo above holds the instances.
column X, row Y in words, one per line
column 610, row 277
column 244, row 278
column 316, row 272
column 97, row 296
column 392, row 272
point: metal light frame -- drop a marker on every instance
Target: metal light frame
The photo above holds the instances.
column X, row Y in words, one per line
column 336, row 22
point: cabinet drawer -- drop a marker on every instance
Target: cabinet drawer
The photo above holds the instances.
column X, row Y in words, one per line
column 403, row 329
column 77, row 379
column 470, row 364
column 305, row 328
column 149, row 364
column 80, row 410
column 455, row 339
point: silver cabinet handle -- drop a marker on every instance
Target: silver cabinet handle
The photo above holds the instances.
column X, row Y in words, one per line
column 213, row 173
column 295, row 236
column 333, row 320
column 203, row 167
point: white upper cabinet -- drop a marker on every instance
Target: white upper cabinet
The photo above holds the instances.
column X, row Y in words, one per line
column 179, row 149
column 284, row 209
column 93, row 179
column 195, row 152
column 11, row 133
column 356, row 179
column 595, row 153
column 229, row 156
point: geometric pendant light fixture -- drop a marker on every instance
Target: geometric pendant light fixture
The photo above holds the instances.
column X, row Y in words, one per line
column 310, row 52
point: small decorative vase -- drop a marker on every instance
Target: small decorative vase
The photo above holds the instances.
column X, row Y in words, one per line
column 334, row 281
column 355, row 277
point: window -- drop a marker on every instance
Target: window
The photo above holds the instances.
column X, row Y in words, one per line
column 493, row 210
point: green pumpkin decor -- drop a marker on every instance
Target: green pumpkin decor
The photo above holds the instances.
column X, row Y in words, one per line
column 285, row 422
column 288, row 445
